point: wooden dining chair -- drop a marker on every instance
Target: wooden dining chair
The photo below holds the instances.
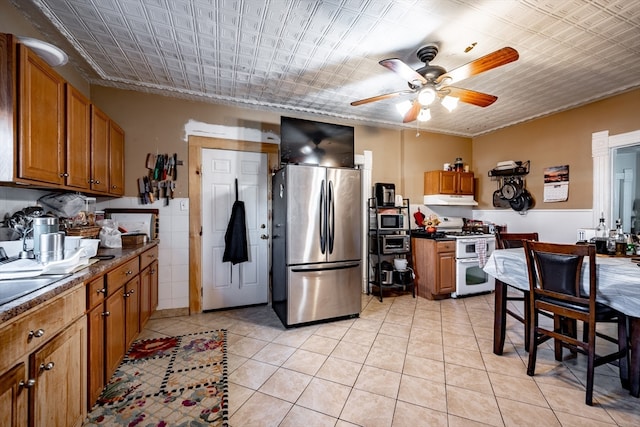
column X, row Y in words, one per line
column 508, row 241
column 555, row 286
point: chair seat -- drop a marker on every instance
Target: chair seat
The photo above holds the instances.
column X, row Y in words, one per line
column 603, row 312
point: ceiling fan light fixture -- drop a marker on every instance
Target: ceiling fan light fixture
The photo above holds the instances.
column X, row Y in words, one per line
column 450, row 102
column 425, row 115
column 426, row 96
column 403, row 107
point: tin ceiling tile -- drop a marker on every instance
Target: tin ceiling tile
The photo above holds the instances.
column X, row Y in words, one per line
column 317, row 57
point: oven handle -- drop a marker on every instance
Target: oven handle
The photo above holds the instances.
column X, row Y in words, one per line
column 468, row 260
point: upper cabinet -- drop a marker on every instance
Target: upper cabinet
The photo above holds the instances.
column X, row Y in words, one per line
column 51, row 136
column 41, row 118
column 448, row 182
column 116, row 159
column 78, row 137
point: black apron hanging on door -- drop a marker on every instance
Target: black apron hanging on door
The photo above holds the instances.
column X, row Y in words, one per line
column 235, row 238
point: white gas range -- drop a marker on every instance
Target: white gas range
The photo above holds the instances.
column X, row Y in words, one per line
column 473, row 248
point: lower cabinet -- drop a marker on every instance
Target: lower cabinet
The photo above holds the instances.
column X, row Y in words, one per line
column 59, row 369
column 43, row 365
column 435, row 267
column 119, row 303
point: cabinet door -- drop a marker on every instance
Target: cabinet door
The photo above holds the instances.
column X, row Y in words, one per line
column 78, row 151
column 114, row 331
column 145, row 296
column 448, row 182
column 132, row 310
column 13, row 397
column 41, row 120
column 116, row 159
column 447, row 272
column 95, row 354
column 154, row 286
column 99, row 150
column 59, row 367
column 466, row 184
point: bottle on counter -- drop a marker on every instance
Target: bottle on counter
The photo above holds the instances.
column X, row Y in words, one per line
column 601, row 229
column 602, row 236
column 621, row 240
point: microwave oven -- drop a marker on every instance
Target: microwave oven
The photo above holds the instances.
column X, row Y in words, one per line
column 390, row 243
column 390, row 221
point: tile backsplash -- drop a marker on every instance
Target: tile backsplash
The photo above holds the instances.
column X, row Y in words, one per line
column 173, row 272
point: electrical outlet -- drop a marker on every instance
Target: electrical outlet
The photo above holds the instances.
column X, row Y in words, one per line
column 183, row 205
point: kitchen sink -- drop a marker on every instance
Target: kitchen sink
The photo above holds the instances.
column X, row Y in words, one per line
column 12, row 289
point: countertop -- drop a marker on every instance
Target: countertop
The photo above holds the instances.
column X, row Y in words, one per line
column 22, row 304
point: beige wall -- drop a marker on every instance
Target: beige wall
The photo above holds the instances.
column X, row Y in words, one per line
column 560, row 139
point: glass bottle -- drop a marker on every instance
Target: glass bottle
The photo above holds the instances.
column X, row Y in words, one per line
column 621, row 241
column 601, row 229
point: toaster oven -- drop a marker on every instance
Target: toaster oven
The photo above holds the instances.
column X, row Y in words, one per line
column 390, row 243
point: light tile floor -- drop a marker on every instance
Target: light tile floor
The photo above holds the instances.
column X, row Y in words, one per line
column 403, row 362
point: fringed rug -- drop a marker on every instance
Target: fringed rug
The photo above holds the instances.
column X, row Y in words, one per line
column 173, row 381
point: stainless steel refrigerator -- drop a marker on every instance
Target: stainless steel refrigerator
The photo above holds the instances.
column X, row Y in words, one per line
column 316, row 245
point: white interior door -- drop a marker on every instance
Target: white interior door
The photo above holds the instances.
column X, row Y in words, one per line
column 224, row 284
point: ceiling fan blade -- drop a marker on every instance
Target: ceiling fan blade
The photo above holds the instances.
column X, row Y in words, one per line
column 406, row 72
column 471, row 96
column 488, row 62
column 380, row 97
column 413, row 112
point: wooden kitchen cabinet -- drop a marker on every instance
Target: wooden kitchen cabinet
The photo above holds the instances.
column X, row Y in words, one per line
column 116, row 159
column 449, row 182
column 59, row 369
column 43, row 364
column 96, row 313
column 107, row 154
column 99, row 150
column 41, row 118
column 114, row 331
column 13, row 397
column 148, row 290
column 435, row 267
column 55, row 136
column 78, row 136
column 132, row 310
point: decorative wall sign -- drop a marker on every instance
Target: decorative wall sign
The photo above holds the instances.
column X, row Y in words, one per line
column 556, row 184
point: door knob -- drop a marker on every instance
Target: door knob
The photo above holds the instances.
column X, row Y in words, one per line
column 264, row 236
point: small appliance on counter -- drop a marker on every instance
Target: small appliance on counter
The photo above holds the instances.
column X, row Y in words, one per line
column 385, row 194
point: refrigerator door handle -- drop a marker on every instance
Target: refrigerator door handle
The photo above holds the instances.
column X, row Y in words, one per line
column 322, row 218
column 326, row 267
column 331, row 220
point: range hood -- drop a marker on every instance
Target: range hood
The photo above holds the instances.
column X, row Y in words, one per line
column 449, row 200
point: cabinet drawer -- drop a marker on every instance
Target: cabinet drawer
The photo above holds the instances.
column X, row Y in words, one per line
column 95, row 292
column 447, row 246
column 121, row 275
column 36, row 326
column 148, row 257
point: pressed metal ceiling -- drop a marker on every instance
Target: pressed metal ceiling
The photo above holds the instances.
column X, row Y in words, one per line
column 312, row 58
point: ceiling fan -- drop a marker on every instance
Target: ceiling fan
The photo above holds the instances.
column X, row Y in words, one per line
column 432, row 81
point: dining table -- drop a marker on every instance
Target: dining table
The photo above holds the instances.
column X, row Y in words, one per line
column 618, row 286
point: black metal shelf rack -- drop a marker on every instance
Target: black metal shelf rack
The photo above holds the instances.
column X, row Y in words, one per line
column 377, row 255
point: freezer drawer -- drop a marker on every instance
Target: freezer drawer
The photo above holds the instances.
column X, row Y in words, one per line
column 319, row 293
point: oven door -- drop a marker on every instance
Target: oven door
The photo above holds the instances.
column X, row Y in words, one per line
column 466, row 246
column 471, row 279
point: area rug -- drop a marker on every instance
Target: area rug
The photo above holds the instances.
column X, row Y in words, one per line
column 172, row 381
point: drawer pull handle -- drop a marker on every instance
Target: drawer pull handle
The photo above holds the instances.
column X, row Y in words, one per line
column 128, row 272
column 28, row 384
column 101, row 291
column 153, row 271
column 49, row 366
column 36, row 334
column 106, row 313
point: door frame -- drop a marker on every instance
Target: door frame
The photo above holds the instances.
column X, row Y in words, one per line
column 196, row 145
